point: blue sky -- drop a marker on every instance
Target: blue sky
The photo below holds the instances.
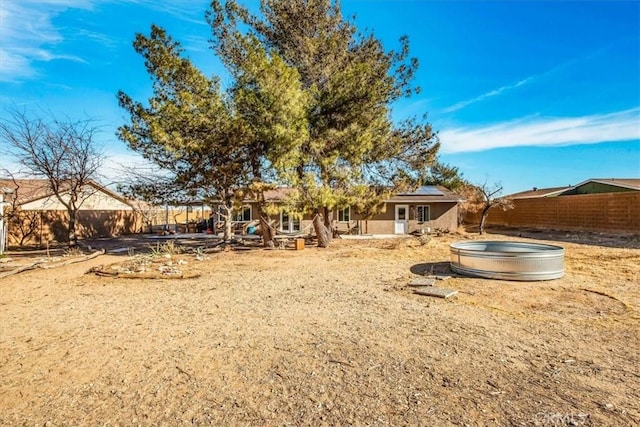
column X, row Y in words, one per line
column 539, row 93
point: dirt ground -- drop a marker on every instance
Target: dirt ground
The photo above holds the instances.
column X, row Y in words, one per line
column 321, row 337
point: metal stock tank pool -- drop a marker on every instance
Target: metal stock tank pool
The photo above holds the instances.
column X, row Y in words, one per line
column 508, row 260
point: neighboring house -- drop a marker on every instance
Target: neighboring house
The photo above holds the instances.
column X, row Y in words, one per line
column 427, row 209
column 590, row 186
column 599, row 185
column 41, row 215
column 601, row 205
column 537, row 192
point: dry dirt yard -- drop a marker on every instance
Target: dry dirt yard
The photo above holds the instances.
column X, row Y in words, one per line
column 323, row 337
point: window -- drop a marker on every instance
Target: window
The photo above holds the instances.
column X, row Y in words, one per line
column 401, row 213
column 344, row 215
column 242, row 215
column 422, row 213
column 288, row 223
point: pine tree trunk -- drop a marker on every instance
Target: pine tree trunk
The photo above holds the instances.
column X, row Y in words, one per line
column 327, row 222
column 267, row 232
column 228, row 226
column 321, row 231
column 265, row 227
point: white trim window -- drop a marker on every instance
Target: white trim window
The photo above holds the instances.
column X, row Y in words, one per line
column 344, row 215
column 289, row 223
column 423, row 213
column 243, row 214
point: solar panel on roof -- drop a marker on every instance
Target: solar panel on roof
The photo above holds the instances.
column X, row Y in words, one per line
column 426, row 190
column 429, row 190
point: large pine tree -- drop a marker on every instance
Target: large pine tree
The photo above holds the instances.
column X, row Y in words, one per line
column 352, row 153
column 309, row 105
column 189, row 127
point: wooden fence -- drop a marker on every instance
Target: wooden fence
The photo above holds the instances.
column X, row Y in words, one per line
column 606, row 212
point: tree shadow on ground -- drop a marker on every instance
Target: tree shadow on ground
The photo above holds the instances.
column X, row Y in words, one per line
column 186, row 243
column 429, row 268
column 128, row 245
column 149, row 243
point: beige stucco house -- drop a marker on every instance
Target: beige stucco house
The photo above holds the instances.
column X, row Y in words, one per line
column 427, row 209
column 39, row 217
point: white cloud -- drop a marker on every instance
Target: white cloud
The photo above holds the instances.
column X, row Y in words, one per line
column 462, row 104
column 14, row 65
column 183, row 10
column 28, row 35
column 544, row 131
column 495, row 92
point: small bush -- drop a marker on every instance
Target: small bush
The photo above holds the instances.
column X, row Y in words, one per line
column 74, row 251
column 167, row 248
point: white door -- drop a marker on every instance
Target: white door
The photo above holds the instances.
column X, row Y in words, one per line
column 402, row 219
column 289, row 224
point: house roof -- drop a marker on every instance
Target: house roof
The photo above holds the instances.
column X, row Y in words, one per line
column 538, row 192
column 29, row 190
column 278, row 194
column 25, row 190
column 630, row 183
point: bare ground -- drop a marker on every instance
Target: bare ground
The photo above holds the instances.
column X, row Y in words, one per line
column 324, row 337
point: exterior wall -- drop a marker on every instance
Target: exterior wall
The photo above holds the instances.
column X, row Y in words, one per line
column 382, row 223
column 52, row 225
column 612, row 212
column 442, row 215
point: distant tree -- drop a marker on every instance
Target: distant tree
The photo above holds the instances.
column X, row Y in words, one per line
column 63, row 152
column 351, row 148
column 482, row 198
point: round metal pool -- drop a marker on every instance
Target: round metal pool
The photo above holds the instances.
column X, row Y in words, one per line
column 508, row 260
